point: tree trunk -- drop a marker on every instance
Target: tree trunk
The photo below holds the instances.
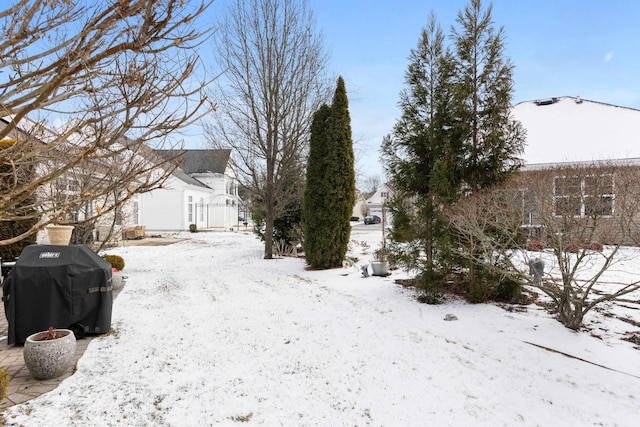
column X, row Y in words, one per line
column 429, row 244
column 268, row 236
column 570, row 313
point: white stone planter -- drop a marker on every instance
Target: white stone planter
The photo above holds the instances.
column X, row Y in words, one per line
column 117, row 280
column 59, row 234
column 48, row 359
column 380, row 268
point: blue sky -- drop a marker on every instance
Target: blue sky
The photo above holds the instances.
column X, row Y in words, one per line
column 589, row 48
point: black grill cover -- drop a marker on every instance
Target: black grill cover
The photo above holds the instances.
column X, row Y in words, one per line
column 59, row 286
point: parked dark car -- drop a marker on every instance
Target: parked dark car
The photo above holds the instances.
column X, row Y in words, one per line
column 372, row 219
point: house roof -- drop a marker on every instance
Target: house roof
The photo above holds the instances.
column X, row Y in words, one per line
column 569, row 129
column 183, row 176
column 199, row 161
column 376, row 198
column 629, row 161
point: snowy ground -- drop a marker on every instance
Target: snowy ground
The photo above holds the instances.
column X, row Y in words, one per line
column 209, row 333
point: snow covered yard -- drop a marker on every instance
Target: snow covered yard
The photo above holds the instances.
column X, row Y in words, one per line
column 206, row 332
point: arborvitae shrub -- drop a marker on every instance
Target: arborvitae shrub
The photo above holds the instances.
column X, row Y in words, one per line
column 9, row 229
column 330, row 190
column 13, row 228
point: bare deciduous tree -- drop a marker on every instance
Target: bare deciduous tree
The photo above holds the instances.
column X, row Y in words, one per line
column 370, row 185
column 84, row 87
column 569, row 212
column 272, row 63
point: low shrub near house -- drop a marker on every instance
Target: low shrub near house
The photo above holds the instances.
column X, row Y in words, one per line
column 535, row 245
column 597, row 246
column 10, row 229
column 193, row 228
column 116, row 261
column 574, row 247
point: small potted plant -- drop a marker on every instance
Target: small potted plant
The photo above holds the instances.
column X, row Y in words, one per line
column 117, row 265
column 380, row 261
column 49, row 354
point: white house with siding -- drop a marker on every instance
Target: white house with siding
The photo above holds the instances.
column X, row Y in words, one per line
column 202, row 191
column 376, row 202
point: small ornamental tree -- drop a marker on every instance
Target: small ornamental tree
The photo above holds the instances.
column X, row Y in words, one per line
column 330, row 193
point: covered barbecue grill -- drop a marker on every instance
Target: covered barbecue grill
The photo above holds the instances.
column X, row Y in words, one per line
column 59, row 286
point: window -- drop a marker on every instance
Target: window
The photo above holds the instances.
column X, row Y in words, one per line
column 73, row 185
column 118, row 212
column 590, row 195
column 201, row 209
column 136, row 210
column 190, row 208
column 598, row 195
column 67, row 185
column 384, row 194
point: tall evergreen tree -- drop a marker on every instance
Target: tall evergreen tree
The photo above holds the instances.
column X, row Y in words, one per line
column 420, row 156
column 330, row 192
column 455, row 135
column 491, row 141
column 316, row 218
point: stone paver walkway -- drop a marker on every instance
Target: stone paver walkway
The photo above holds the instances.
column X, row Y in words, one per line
column 22, row 386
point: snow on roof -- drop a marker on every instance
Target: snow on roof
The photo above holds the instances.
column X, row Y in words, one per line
column 569, row 129
column 32, row 128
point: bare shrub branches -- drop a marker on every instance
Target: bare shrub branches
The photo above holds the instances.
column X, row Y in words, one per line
column 582, row 214
column 84, row 87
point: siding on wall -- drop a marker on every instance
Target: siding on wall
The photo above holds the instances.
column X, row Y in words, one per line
column 626, row 177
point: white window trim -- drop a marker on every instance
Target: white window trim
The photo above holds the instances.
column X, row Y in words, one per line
column 582, row 195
